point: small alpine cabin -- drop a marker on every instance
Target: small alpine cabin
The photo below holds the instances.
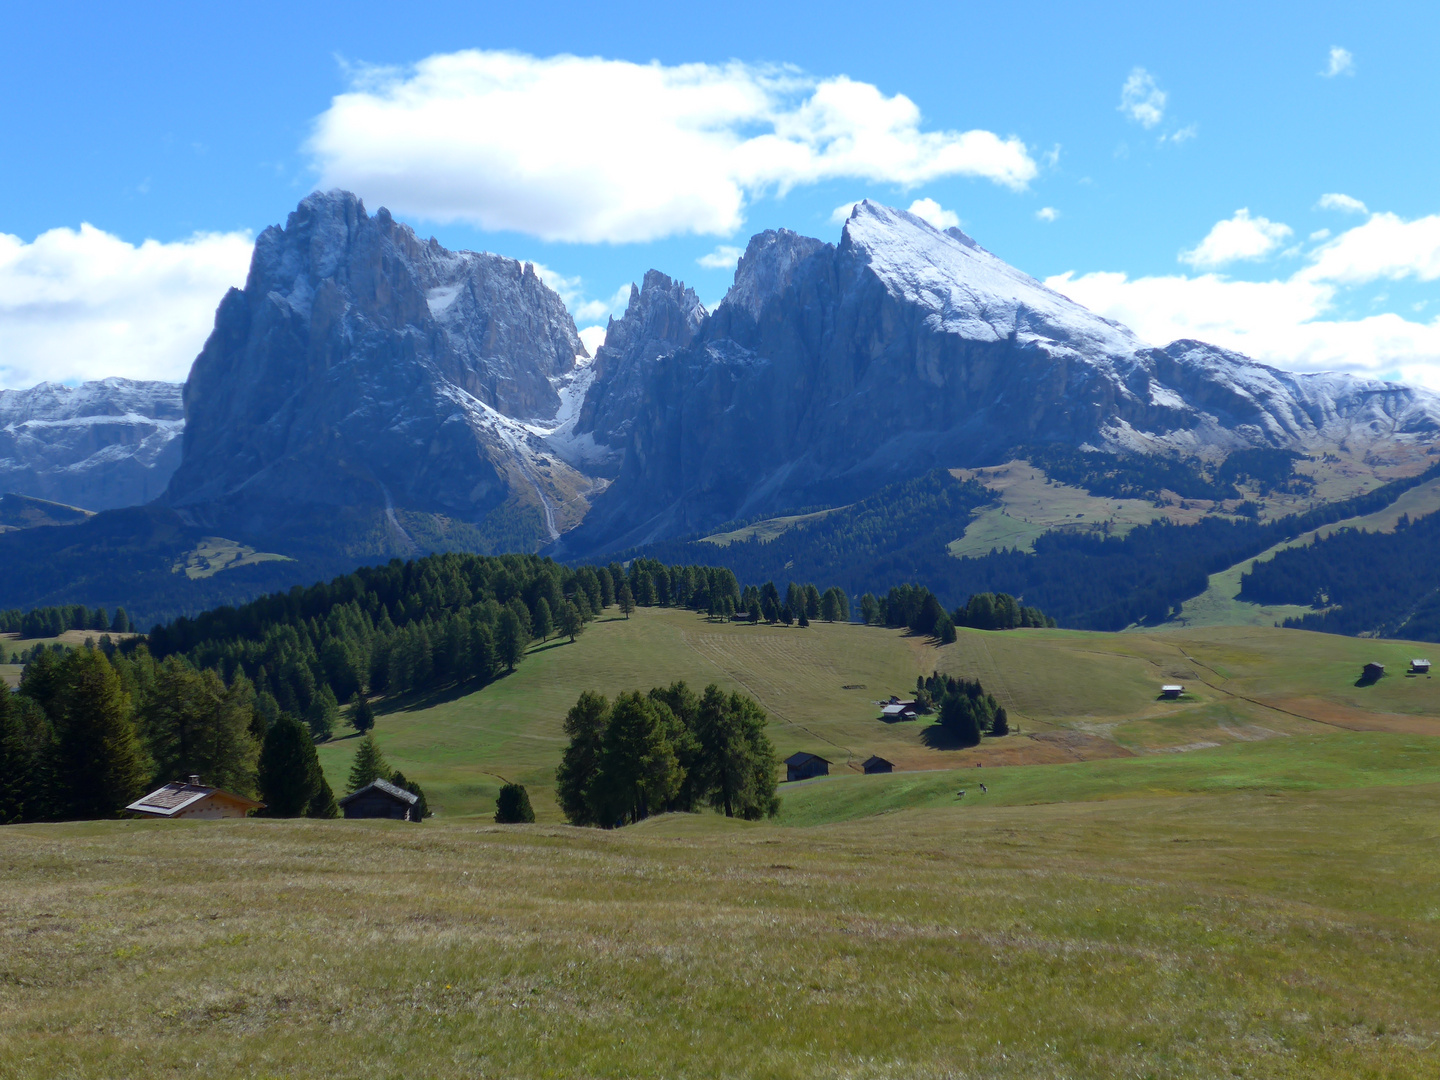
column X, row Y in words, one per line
column 1420, row 667
column 876, row 764
column 1372, row 671
column 193, row 800
column 804, row 766
column 381, row 799
column 1171, row 690
column 896, row 709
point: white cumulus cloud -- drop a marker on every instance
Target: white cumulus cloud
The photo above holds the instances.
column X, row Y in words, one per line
column 499, row 139
column 1047, row 213
column 931, row 211
column 1236, row 238
column 1291, row 322
column 593, row 337
column 80, row 304
column 841, row 213
column 1340, row 62
column 1141, row 98
column 1333, row 200
column 723, row 257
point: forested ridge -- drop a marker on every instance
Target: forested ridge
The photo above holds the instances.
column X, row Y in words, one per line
column 1383, row 584
column 1085, row 581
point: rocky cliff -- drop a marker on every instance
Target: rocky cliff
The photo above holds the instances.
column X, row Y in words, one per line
column 98, row 445
column 369, row 381
column 829, row 370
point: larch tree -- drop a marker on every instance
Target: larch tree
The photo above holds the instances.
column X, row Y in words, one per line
column 368, row 764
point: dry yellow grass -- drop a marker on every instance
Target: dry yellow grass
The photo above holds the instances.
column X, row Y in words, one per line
column 1290, row 935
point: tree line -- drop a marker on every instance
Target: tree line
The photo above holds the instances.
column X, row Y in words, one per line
column 48, row 622
column 918, row 609
column 668, row 750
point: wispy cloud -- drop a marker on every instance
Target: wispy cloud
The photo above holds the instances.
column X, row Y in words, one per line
column 1236, row 238
column 1291, row 322
column 931, row 211
column 490, row 138
column 80, row 304
column 1142, row 100
column 1335, row 201
column 1047, row 213
column 1340, row 62
column 723, row 257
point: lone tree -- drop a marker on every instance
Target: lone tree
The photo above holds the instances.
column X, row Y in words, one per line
column 362, row 715
column 369, row 764
column 513, row 806
column 627, row 599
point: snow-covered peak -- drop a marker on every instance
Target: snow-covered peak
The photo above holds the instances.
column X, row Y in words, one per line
column 972, row 292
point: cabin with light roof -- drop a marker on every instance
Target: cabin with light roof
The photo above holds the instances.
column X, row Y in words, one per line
column 193, row 800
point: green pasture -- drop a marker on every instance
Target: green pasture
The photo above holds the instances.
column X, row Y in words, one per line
column 1303, row 763
column 1071, row 695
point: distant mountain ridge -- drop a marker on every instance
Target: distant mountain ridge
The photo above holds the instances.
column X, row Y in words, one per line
column 370, row 394
column 99, row 445
column 830, row 370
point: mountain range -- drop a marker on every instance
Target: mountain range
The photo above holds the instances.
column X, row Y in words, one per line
column 370, row 394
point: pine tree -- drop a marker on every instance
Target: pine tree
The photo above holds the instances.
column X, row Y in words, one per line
column 639, row 771
column 322, row 803
column 513, row 806
column 290, row 776
column 16, row 763
column 585, row 725
column 120, row 624
column 627, row 599
column 323, row 713
column 572, row 623
column 544, row 623
column 368, row 764
column 362, row 715
column 512, row 639
column 194, row 724
column 101, row 764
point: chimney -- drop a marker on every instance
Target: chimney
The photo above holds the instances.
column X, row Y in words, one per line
column 194, row 780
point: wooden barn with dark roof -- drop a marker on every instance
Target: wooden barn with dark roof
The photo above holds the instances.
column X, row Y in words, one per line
column 877, row 764
column 382, row 799
column 804, row 766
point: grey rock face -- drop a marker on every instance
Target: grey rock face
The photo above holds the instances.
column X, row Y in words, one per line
column 828, row 371
column 99, row 445
column 662, row 316
column 364, row 367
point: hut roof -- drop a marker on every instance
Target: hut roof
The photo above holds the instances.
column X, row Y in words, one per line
column 176, row 796
column 409, row 798
column 875, row 759
column 801, row 759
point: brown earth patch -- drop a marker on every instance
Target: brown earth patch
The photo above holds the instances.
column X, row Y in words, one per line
column 1353, row 719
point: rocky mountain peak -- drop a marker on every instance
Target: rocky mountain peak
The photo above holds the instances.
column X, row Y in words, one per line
column 364, row 367
column 767, row 267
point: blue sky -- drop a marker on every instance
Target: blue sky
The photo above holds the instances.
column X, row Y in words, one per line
column 1190, row 205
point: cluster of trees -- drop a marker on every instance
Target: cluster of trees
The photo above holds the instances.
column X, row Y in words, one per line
column 966, row 710
column 48, row 622
column 667, row 750
column 801, row 603
column 918, row 609
column 1381, row 584
column 91, row 730
column 1269, row 469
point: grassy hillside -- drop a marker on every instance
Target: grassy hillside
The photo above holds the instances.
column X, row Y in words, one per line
column 1289, row 934
column 1072, row 695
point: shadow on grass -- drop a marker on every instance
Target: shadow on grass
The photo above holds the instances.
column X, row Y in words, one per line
column 938, row 737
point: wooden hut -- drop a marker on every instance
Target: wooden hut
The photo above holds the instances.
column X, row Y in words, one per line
column 180, row 799
column 381, row 799
column 804, row 766
column 1372, row 671
column 1420, row 667
column 1171, row 690
column 876, row 764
